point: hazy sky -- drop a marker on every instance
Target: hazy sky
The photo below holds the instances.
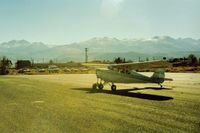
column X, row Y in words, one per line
column 66, row 21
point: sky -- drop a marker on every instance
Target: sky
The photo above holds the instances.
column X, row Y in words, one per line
column 67, row 21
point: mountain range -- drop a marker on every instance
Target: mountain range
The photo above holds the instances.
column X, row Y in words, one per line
column 102, row 49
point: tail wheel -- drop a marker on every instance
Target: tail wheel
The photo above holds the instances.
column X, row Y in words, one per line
column 100, row 86
column 94, row 86
column 113, row 87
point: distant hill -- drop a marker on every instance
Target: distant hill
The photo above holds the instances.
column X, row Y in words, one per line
column 22, row 49
column 102, row 48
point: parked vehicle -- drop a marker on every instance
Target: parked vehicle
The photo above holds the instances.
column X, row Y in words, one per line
column 41, row 70
column 24, row 70
column 53, row 69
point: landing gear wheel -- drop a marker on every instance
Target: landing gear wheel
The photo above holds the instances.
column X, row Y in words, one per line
column 100, row 86
column 113, row 87
column 161, row 86
column 94, row 86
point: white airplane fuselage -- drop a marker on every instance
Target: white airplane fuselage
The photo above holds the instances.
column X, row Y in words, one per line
column 108, row 75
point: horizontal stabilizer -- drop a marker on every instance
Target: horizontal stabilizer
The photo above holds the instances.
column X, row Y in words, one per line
column 168, row 79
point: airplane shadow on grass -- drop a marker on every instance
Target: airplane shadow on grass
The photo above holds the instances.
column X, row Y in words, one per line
column 129, row 93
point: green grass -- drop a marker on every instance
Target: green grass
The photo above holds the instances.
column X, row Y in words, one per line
column 65, row 103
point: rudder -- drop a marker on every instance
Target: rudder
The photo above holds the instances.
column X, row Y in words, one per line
column 158, row 75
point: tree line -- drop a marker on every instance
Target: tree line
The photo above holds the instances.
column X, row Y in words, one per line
column 191, row 60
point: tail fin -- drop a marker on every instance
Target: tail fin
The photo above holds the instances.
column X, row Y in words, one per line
column 158, row 76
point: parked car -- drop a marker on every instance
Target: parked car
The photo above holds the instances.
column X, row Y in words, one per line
column 24, row 70
column 53, row 69
column 41, row 70
column 66, row 69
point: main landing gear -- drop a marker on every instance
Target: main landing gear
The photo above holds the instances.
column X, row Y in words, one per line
column 161, row 86
column 100, row 85
column 96, row 86
column 113, row 87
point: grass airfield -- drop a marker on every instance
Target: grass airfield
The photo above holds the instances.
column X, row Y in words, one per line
column 65, row 103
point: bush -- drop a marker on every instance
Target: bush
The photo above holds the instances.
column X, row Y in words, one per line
column 4, row 66
column 192, row 60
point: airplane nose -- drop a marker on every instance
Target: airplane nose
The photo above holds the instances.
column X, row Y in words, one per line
column 98, row 73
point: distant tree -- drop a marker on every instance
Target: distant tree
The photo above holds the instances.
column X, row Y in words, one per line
column 192, row 60
column 50, row 61
column 124, row 60
column 23, row 64
column 5, row 63
column 185, row 59
column 164, row 58
column 147, row 59
column 175, row 60
column 199, row 61
column 118, row 60
column 129, row 61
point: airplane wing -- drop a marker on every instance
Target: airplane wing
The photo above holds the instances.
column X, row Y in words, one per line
column 140, row 65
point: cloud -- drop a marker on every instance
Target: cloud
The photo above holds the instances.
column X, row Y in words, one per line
column 111, row 8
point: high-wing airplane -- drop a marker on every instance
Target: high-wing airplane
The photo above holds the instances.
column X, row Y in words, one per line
column 123, row 73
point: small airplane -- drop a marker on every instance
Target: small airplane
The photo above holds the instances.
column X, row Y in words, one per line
column 122, row 73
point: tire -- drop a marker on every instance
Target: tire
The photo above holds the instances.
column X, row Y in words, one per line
column 113, row 87
column 94, row 86
column 100, row 86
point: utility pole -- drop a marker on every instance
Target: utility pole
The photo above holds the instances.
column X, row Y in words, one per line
column 32, row 61
column 86, row 55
